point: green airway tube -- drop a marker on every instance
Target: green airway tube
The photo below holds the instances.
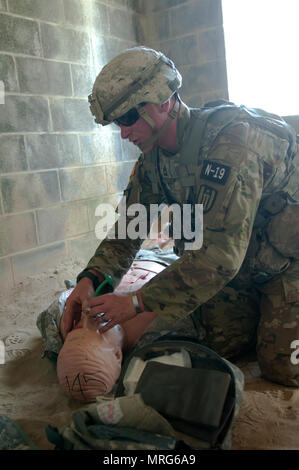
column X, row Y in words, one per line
column 107, row 280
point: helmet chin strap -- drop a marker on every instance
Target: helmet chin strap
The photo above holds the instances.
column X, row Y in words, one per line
column 156, row 133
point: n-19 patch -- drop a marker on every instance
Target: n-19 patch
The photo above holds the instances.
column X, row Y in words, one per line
column 207, row 197
column 214, row 171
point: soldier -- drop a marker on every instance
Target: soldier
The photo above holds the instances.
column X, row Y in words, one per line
column 242, row 286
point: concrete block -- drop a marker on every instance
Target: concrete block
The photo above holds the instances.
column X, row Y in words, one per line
column 8, row 73
column 83, row 79
column 125, row 4
column 25, row 114
column 129, row 151
column 37, row 261
column 6, row 279
column 118, row 176
column 17, row 233
column 138, row 6
column 122, row 24
column 195, row 101
column 107, row 48
column 83, row 248
column 41, row 9
column 87, row 14
column 193, row 16
column 61, row 222
column 121, row 3
column 44, row 77
column 143, row 29
column 162, row 25
column 19, row 35
column 104, row 146
column 100, row 18
column 65, row 44
column 157, row 5
column 201, row 99
column 82, row 183
column 199, row 47
column 211, row 44
column 47, row 151
column 71, row 115
column 78, row 12
column 12, row 154
column 204, row 78
column 43, row 192
column 214, row 95
column 183, row 51
column 112, row 199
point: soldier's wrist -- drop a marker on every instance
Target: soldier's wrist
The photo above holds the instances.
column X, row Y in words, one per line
column 137, row 302
column 94, row 276
column 97, row 273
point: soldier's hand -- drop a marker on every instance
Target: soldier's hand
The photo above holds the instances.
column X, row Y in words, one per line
column 116, row 308
column 73, row 306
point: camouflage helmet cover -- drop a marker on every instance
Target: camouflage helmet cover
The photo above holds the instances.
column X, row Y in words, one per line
column 136, row 75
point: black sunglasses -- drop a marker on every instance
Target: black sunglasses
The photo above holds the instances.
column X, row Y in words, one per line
column 129, row 118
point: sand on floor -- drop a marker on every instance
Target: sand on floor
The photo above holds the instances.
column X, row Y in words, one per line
column 31, row 396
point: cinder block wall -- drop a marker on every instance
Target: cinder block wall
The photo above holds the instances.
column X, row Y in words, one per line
column 190, row 32
column 56, row 165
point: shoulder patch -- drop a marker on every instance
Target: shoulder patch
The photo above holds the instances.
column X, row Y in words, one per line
column 215, row 171
column 207, row 196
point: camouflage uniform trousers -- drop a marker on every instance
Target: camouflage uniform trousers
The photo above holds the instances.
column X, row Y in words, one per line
column 279, row 327
column 265, row 317
column 228, row 322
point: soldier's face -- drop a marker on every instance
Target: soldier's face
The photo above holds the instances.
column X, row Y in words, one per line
column 141, row 131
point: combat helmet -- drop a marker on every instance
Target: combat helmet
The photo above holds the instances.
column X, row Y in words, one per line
column 136, row 75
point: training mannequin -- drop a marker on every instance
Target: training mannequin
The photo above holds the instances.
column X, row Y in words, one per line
column 89, row 362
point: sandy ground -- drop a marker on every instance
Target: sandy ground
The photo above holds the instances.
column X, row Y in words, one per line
column 30, row 393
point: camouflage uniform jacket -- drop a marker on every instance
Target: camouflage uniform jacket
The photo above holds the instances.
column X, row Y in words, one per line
column 231, row 159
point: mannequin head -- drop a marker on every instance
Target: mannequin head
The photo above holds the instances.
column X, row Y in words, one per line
column 89, row 363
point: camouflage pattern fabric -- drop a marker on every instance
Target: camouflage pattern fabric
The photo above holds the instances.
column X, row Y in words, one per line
column 48, row 323
column 122, row 424
column 245, row 162
column 229, row 321
column 116, row 89
column 12, row 437
column 279, row 327
column 171, row 342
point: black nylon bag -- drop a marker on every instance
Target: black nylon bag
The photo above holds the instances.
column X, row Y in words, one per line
column 193, row 395
column 201, row 401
